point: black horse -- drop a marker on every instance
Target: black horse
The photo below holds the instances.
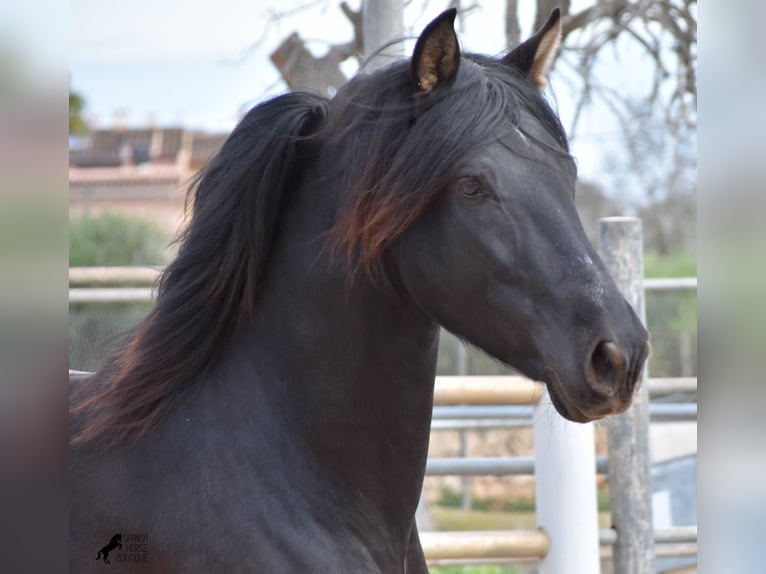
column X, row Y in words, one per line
column 115, row 542
column 272, row 412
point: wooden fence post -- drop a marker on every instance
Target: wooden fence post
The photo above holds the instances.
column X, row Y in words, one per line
column 629, row 466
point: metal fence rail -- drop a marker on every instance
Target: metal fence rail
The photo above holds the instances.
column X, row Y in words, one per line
column 658, row 412
column 491, row 466
column 115, row 275
column 670, row 284
column 520, row 544
column 513, row 390
column 111, row 295
column 482, row 390
column 489, row 544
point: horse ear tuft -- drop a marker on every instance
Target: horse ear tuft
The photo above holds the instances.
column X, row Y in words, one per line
column 436, row 58
column 535, row 56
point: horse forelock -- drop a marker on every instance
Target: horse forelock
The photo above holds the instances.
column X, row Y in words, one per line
column 400, row 152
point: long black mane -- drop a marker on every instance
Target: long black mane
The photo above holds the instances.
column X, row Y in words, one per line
column 390, row 154
column 210, row 288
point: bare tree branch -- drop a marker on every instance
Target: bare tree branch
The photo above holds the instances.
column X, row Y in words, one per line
column 544, row 9
column 301, row 70
column 653, row 25
column 273, row 18
column 512, row 28
column 665, row 30
column 356, row 21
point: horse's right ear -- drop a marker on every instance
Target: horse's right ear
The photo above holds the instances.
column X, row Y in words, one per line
column 436, row 58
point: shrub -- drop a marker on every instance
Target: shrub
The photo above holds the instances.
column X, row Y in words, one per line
column 108, row 239
column 115, row 239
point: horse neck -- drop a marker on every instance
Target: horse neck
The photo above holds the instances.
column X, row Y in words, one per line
column 355, row 364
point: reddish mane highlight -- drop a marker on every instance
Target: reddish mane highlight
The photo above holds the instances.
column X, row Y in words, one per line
column 369, row 226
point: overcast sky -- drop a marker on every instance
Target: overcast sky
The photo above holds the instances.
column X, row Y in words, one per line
column 174, row 62
column 180, row 61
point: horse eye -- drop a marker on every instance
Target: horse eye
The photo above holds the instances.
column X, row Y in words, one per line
column 470, row 186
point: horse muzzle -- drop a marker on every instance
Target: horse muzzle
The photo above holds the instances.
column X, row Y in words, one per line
column 611, row 376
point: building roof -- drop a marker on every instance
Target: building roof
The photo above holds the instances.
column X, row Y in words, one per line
column 204, row 146
column 111, row 148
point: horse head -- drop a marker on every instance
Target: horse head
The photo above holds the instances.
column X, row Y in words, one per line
column 499, row 255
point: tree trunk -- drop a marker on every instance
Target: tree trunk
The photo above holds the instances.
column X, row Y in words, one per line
column 301, row 71
column 382, row 21
column 512, row 28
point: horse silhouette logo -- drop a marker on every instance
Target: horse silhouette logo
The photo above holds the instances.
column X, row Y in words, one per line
column 115, row 542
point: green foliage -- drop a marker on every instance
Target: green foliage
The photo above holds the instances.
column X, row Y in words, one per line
column 477, row 361
column 115, row 239
column 676, row 264
column 457, row 519
column 108, row 239
column 450, row 498
column 95, row 329
column 671, row 317
column 604, row 501
column 476, row 569
column 77, row 124
column 519, row 505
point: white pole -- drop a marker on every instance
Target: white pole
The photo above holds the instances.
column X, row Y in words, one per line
column 565, row 491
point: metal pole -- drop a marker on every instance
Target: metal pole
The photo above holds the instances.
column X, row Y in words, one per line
column 479, row 545
column 382, row 21
column 486, row 390
column 565, row 492
column 621, row 248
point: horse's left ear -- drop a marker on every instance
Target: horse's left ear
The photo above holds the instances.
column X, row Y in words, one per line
column 436, row 58
column 535, row 56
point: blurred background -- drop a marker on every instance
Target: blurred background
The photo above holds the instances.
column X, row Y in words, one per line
column 155, row 88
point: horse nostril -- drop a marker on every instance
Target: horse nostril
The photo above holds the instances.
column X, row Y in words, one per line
column 607, row 365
